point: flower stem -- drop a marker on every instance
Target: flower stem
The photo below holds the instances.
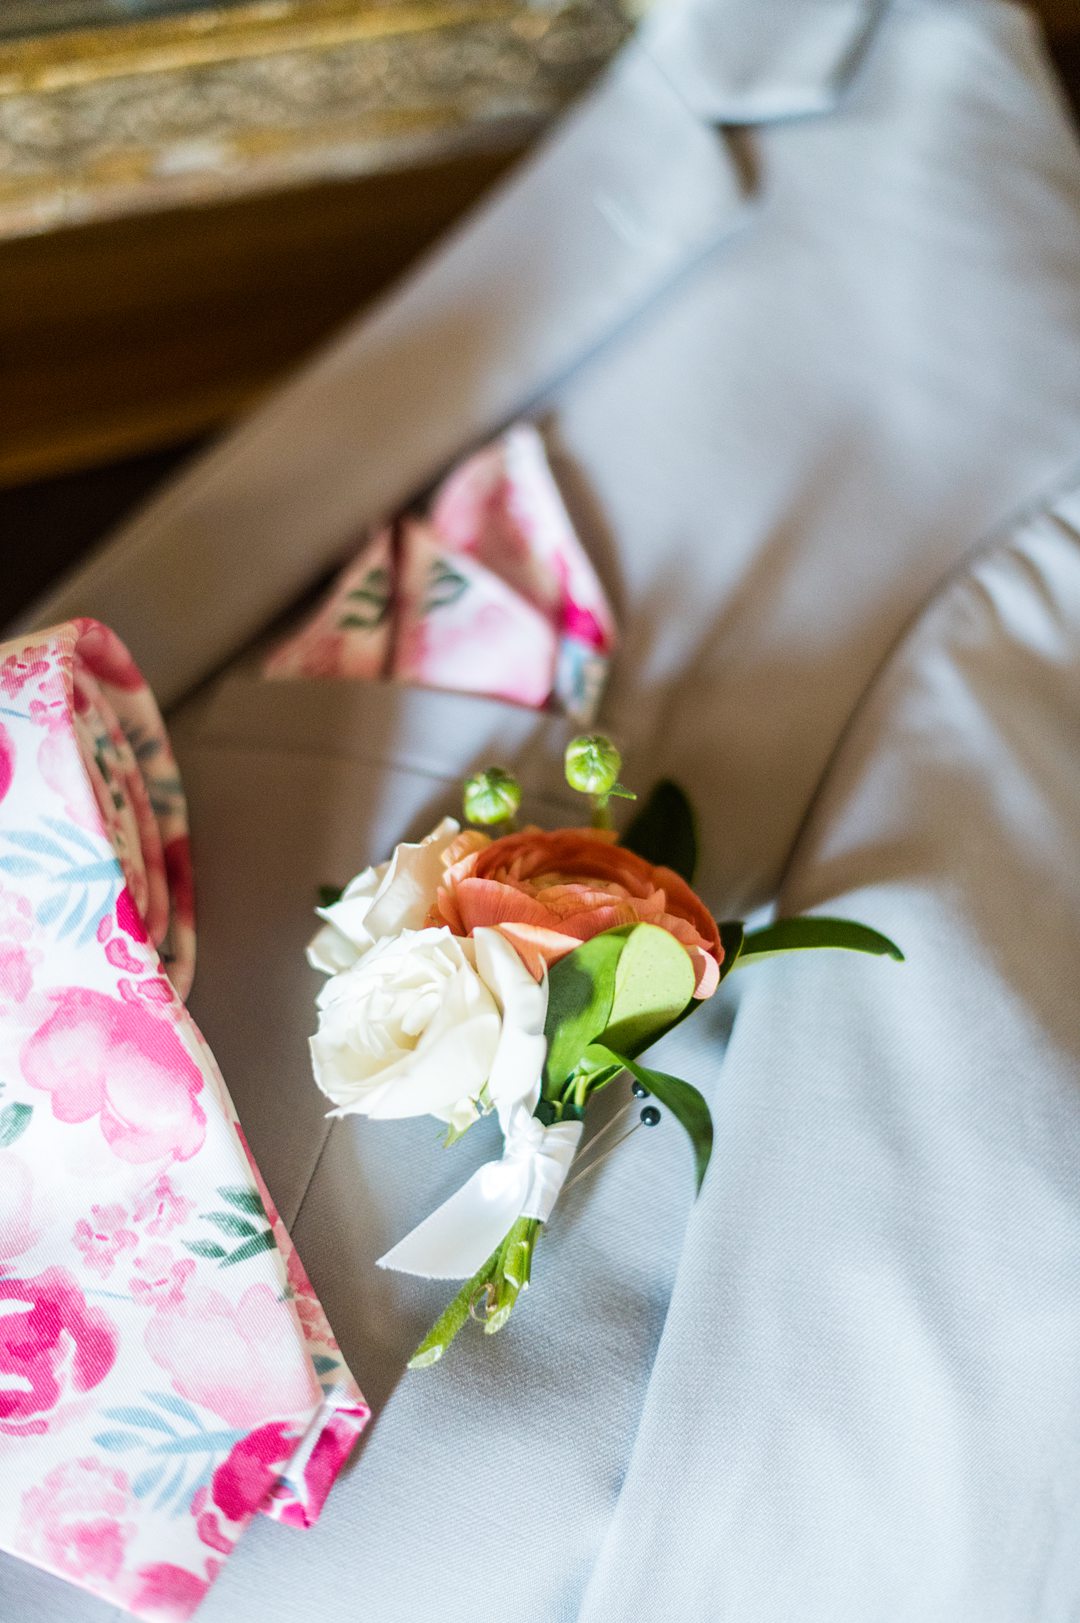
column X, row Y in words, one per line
column 450, row 1322
column 515, row 1268
column 501, row 1280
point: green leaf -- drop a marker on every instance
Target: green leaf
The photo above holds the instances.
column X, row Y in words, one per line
column 172, row 1487
column 654, row 983
column 376, row 582
column 230, row 1223
column 251, row 1248
column 117, row 1442
column 14, row 1120
column 581, row 990
column 147, row 1481
column 731, row 937
column 206, row 1248
column 444, row 586
column 329, row 894
column 802, row 934
column 665, row 830
column 246, row 1199
column 141, row 1417
column 40, row 844
column 374, row 596
column 206, row 1442
column 683, row 1100
column 20, row 867
column 51, row 908
column 175, row 1406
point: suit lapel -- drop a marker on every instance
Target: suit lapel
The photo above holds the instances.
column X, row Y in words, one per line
column 736, row 62
column 632, row 188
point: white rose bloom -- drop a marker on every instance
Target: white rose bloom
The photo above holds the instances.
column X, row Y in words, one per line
column 428, row 1023
column 382, row 901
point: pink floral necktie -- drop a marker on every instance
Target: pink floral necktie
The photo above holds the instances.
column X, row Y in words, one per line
column 165, row 1368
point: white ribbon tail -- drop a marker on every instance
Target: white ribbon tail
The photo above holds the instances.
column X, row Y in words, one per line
column 461, row 1234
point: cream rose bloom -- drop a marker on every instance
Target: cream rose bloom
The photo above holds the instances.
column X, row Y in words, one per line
column 382, row 901
column 425, row 1023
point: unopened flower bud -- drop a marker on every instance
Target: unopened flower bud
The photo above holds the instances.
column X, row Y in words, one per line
column 592, row 764
column 492, row 796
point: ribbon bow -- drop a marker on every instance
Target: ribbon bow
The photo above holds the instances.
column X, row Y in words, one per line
column 461, row 1234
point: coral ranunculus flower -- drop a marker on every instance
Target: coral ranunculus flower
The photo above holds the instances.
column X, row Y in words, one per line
column 547, row 893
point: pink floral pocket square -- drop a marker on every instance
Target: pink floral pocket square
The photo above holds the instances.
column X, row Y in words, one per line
column 492, row 593
column 166, row 1370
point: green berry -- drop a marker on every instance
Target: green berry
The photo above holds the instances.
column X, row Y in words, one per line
column 492, row 796
column 593, row 764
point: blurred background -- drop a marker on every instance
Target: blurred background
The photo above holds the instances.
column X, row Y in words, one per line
column 193, row 194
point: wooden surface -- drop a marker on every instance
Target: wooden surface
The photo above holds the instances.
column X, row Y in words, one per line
column 144, row 332
column 232, row 100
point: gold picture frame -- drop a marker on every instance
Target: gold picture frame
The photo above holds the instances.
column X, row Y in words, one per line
column 217, row 102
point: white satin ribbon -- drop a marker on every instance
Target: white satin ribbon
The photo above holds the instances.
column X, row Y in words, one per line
column 461, row 1234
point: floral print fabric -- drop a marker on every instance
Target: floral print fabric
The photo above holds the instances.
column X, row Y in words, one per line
column 492, row 593
column 166, row 1370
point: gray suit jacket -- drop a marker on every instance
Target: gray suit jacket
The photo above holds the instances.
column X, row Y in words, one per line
column 796, row 293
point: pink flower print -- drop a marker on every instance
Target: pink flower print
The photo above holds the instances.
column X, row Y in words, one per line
column 101, row 1056
column 18, row 1229
column 73, row 1522
column 332, row 1448
column 294, row 1268
column 18, row 669
column 105, row 657
column 161, row 993
column 335, row 1443
column 163, row 1206
column 305, row 1302
column 118, row 955
column 60, row 763
column 583, row 624
column 16, row 916
column 180, row 874
column 243, row 1360
column 7, row 761
column 16, row 974
column 52, row 1346
column 208, row 1526
column 327, row 655
column 18, row 959
column 50, row 708
column 159, row 1279
column 164, row 1593
column 102, row 1240
column 313, row 1321
column 129, row 918
column 241, row 1483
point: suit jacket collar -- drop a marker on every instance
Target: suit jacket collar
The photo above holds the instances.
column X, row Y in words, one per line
column 753, row 61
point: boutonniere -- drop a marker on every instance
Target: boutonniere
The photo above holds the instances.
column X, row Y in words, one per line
column 518, row 973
